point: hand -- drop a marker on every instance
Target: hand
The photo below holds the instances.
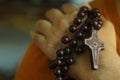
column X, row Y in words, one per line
column 48, row 37
column 48, row 33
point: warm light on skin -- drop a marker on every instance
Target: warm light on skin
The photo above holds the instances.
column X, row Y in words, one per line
column 118, row 6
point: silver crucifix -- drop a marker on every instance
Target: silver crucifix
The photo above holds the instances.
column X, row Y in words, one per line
column 96, row 46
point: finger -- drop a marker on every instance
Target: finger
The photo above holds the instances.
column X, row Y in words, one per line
column 44, row 27
column 43, row 43
column 60, row 27
column 38, row 39
column 54, row 15
column 71, row 16
column 86, row 4
column 68, row 8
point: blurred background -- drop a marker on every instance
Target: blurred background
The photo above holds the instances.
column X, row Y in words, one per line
column 17, row 19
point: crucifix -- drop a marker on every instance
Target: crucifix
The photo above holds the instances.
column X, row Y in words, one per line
column 96, row 46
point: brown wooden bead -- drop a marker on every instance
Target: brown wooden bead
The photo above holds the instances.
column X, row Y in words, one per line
column 67, row 50
column 64, row 68
column 77, row 21
column 70, row 61
column 95, row 13
column 60, row 52
column 52, row 65
column 79, row 49
column 59, row 62
column 58, row 72
column 73, row 28
column 84, row 9
column 100, row 21
column 73, row 42
column 81, row 14
column 86, row 28
column 79, row 35
column 59, row 78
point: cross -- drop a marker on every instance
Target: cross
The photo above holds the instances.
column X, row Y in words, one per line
column 96, row 46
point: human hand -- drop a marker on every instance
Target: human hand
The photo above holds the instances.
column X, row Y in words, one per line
column 48, row 36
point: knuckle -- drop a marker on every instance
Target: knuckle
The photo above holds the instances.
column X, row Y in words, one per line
column 54, row 13
column 69, row 5
column 43, row 23
column 63, row 23
column 53, row 10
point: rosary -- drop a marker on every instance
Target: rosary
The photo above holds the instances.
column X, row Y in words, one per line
column 83, row 34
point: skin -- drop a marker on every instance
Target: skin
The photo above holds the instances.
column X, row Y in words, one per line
column 48, row 35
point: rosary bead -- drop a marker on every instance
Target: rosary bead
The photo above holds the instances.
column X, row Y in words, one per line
column 84, row 9
column 81, row 14
column 73, row 28
column 65, row 68
column 65, row 39
column 77, row 21
column 98, row 27
column 67, row 50
column 60, row 52
column 79, row 49
column 59, row 62
column 94, row 23
column 59, row 78
column 87, row 35
column 70, row 61
column 86, row 28
column 96, row 13
column 61, row 58
column 73, row 42
column 52, row 65
column 58, row 72
column 79, row 35
column 100, row 21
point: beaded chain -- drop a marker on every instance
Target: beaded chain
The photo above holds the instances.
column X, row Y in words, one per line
column 80, row 29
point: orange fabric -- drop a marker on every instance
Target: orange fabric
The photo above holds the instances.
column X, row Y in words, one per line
column 35, row 64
